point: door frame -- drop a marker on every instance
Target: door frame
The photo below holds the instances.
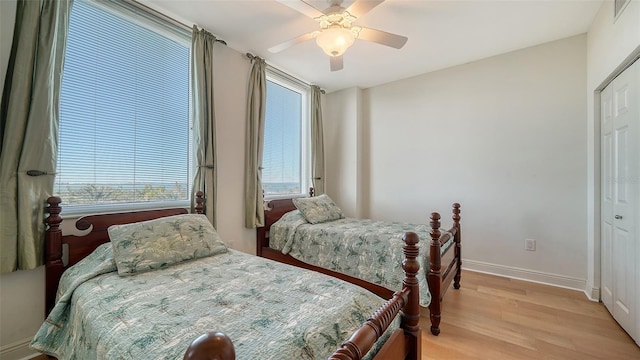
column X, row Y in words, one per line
column 596, row 191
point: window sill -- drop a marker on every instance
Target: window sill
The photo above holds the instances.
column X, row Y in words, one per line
column 284, row 196
column 83, row 210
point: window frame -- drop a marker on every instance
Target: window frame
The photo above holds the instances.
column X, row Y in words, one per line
column 618, row 8
column 156, row 22
column 285, row 80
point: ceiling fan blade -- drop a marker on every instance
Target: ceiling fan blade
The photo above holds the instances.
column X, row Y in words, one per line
column 361, row 7
column 336, row 63
column 289, row 43
column 302, row 7
column 383, row 37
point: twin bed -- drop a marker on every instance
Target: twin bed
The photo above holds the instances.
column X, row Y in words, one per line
column 313, row 233
column 162, row 285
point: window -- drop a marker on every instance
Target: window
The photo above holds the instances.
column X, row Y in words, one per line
column 124, row 135
column 285, row 158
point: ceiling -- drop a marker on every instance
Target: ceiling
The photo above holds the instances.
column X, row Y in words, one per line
column 441, row 33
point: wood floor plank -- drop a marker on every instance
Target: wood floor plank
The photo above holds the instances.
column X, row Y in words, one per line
column 492, row 317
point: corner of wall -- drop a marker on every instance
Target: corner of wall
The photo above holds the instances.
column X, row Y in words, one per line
column 362, row 178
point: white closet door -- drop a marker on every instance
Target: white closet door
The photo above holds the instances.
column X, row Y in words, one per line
column 606, row 165
column 620, row 195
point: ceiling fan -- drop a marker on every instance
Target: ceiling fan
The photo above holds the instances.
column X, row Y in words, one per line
column 337, row 32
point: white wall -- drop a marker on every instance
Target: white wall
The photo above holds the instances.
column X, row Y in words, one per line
column 505, row 137
column 341, row 142
column 609, row 44
column 22, row 292
column 231, row 76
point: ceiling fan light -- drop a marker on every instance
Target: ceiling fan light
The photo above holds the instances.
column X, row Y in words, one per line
column 335, row 40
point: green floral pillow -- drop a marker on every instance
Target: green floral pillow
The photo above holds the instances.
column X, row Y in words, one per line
column 158, row 243
column 318, row 209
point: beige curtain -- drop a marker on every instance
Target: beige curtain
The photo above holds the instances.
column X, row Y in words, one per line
column 29, row 128
column 256, row 102
column 317, row 142
column 204, row 120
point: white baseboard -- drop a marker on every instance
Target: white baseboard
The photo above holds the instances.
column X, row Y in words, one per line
column 530, row 275
column 18, row 350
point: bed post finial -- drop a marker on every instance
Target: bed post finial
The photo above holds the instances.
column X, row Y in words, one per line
column 434, row 276
column 54, row 210
column 456, row 214
column 53, row 243
column 212, row 345
column 199, row 202
column 312, row 192
column 458, row 249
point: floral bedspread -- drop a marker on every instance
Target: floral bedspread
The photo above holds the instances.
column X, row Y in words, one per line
column 363, row 248
column 269, row 310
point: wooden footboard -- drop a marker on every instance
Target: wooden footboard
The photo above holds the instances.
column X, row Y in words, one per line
column 444, row 268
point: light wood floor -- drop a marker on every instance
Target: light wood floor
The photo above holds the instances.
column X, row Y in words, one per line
column 492, row 317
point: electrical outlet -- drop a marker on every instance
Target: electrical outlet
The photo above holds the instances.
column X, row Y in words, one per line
column 530, row 244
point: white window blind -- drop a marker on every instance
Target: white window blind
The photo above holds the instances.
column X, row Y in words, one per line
column 285, row 170
column 124, row 136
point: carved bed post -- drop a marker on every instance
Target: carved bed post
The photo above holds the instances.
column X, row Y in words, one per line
column 435, row 275
column 408, row 299
column 458, row 248
column 410, row 317
column 53, row 245
column 261, row 231
column 199, row 202
column 312, row 192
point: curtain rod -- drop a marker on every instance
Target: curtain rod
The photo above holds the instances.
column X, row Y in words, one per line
column 168, row 18
column 217, row 40
column 251, row 57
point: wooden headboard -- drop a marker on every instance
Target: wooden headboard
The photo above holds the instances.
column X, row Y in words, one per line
column 78, row 247
column 274, row 210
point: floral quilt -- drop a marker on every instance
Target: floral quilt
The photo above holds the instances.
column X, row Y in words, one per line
column 269, row 310
column 363, row 248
